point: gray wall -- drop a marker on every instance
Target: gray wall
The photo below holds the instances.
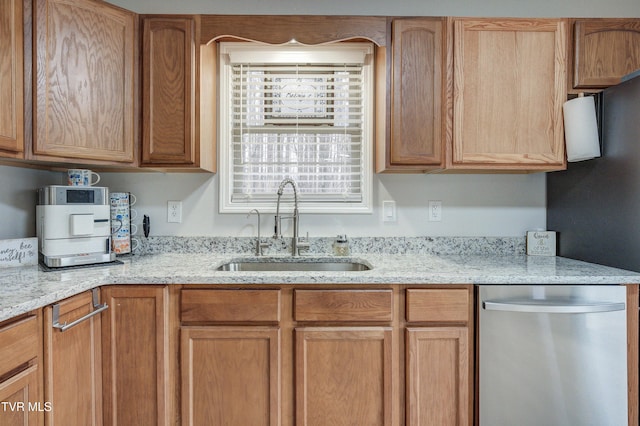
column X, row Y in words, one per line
column 18, row 200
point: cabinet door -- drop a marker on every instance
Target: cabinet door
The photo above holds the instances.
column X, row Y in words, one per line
column 231, row 376
column 72, row 368
column 11, row 77
column 509, row 87
column 344, row 376
column 437, row 376
column 84, row 94
column 135, row 345
column 20, row 405
column 20, row 374
column 605, row 50
column 168, row 135
column 417, row 66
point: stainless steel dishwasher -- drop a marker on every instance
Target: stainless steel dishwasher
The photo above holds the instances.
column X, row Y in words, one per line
column 552, row 355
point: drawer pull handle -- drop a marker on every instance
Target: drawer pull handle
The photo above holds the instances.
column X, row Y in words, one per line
column 97, row 309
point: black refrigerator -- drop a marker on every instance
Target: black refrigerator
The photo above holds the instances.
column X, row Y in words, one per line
column 594, row 205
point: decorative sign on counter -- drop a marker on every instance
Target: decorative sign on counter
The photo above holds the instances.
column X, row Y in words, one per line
column 19, row 252
column 541, row 243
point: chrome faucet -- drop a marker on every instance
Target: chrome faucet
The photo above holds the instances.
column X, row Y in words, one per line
column 297, row 243
column 259, row 244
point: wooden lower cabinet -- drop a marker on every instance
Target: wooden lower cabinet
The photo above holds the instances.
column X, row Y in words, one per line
column 439, row 356
column 231, row 375
column 72, row 367
column 297, row 355
column 20, row 403
column 135, row 356
column 437, row 376
column 344, row 376
column 21, row 371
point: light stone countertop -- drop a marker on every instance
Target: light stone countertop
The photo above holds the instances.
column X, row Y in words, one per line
column 26, row 288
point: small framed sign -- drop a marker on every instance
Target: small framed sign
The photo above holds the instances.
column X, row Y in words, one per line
column 541, row 243
column 18, row 252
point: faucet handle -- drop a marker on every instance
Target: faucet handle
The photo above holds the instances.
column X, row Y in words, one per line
column 259, row 246
column 303, row 243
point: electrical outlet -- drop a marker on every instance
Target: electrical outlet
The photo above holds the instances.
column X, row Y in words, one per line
column 174, row 211
column 435, row 211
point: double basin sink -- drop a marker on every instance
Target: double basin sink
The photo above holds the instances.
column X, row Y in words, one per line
column 283, row 264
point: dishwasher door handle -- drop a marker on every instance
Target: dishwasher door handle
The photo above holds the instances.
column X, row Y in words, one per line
column 97, row 308
column 550, row 307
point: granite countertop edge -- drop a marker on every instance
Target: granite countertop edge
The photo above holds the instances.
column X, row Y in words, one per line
column 23, row 289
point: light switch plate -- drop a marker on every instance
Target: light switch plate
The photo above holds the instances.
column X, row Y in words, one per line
column 389, row 211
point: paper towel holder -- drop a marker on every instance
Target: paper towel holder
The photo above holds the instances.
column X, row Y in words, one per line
column 581, row 129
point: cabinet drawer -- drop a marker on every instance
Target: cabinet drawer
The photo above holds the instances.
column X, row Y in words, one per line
column 230, row 306
column 19, row 343
column 437, row 305
column 343, row 305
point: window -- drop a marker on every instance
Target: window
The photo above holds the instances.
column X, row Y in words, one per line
column 303, row 112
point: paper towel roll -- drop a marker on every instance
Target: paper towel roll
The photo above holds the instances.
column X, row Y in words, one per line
column 581, row 129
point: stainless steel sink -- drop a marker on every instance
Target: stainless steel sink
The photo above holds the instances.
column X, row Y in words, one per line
column 294, row 264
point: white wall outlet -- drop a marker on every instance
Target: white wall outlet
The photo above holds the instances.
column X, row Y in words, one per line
column 174, row 211
column 435, row 211
column 389, row 211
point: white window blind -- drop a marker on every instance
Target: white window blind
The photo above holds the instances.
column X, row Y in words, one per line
column 309, row 121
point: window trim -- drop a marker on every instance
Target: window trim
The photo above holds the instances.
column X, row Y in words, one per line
column 226, row 205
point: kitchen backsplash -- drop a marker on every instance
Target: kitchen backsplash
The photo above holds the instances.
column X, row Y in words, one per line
column 323, row 245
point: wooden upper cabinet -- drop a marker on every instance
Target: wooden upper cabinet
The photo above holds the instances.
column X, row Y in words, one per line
column 509, row 86
column 168, row 134
column 178, row 80
column 605, row 51
column 11, row 79
column 84, row 90
column 414, row 139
